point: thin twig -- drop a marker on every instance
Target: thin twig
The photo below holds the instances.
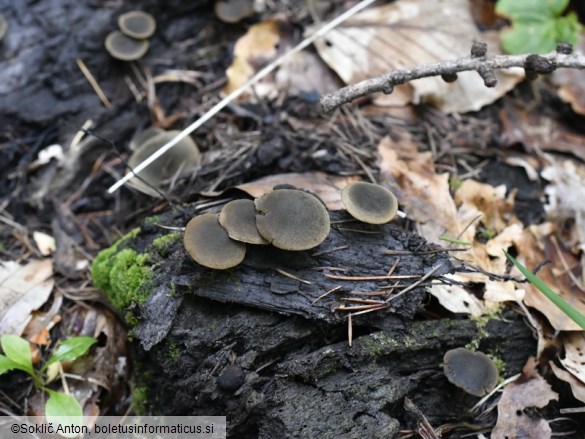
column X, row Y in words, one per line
column 540, row 64
column 362, row 301
column 427, row 252
column 415, row 284
column 565, row 265
column 94, row 84
column 237, row 92
column 366, row 232
column 372, row 309
column 292, row 276
column 469, row 224
column 325, row 295
column 393, row 268
column 368, row 293
column 335, row 276
column 425, row 429
column 349, row 330
column 489, row 395
column 330, row 250
column 359, row 307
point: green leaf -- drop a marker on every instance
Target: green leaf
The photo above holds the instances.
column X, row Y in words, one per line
column 537, row 25
column 71, row 349
column 568, row 28
column 18, row 351
column 6, row 364
column 532, row 10
column 564, row 306
column 529, row 37
column 63, row 409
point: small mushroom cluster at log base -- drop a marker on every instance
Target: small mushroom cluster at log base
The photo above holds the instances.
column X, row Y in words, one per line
column 287, row 218
column 130, row 42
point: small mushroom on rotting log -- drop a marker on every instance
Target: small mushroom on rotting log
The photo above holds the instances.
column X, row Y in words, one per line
column 124, row 48
column 238, row 218
column 137, row 24
column 292, row 219
column 369, row 203
column 209, row 244
column 474, row 372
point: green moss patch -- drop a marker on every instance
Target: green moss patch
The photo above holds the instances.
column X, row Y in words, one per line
column 139, row 397
column 163, row 244
column 122, row 275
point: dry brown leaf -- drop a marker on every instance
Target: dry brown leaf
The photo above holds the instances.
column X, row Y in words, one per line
column 528, row 391
column 574, row 361
column 326, row 187
column 535, row 246
column 426, row 198
column 490, row 201
column 259, row 46
column 502, row 292
column 422, row 192
column 494, row 248
column 539, row 132
column 530, row 164
column 407, row 33
column 23, row 288
column 37, row 330
column 303, row 74
column 565, row 200
column 456, row 298
column 577, row 387
column 571, row 84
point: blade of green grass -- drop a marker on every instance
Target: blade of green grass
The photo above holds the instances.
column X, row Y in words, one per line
column 454, row 240
column 564, row 306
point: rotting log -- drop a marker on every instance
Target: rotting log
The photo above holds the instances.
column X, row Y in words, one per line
column 252, row 344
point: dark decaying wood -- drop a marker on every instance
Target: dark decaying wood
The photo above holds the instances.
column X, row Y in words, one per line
column 246, row 343
column 291, row 283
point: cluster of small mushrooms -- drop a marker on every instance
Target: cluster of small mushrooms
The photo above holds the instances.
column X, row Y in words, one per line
column 287, row 218
column 130, row 42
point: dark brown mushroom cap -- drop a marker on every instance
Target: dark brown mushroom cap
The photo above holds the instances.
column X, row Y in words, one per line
column 291, row 219
column 238, row 218
column 232, row 11
column 3, row 26
column 209, row 244
column 369, row 202
column 473, row 372
column 137, row 24
column 124, row 48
